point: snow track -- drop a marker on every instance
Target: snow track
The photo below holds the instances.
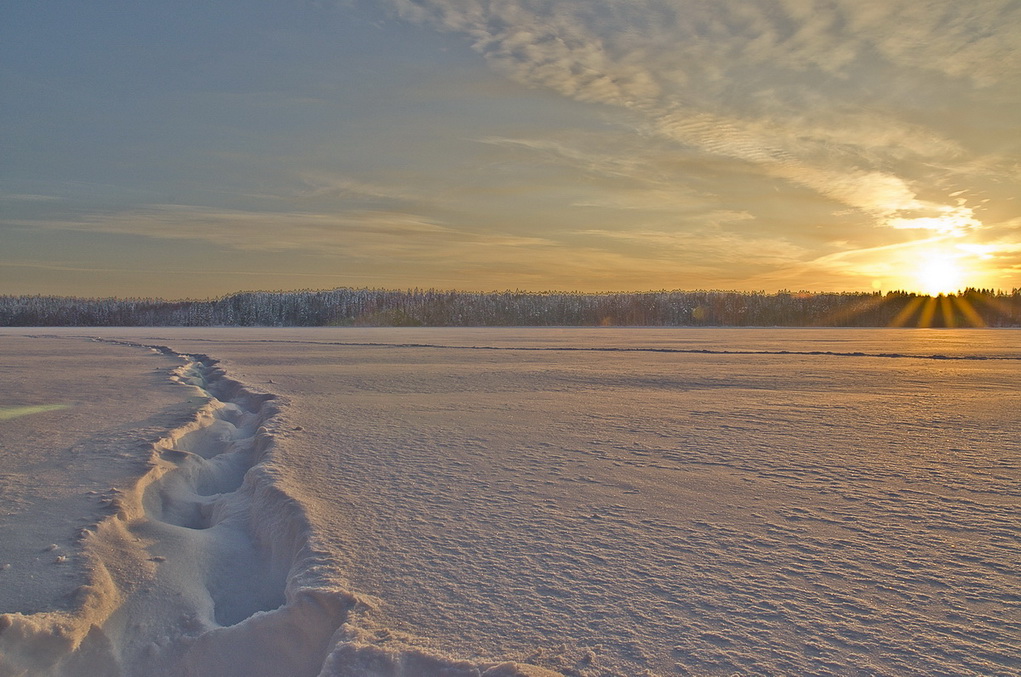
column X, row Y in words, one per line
column 204, row 566
column 208, row 566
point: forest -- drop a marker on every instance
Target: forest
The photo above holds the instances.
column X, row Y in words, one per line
column 439, row 308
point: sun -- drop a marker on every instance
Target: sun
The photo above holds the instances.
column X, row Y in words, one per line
column 939, row 273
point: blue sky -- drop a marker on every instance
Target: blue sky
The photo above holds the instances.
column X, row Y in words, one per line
column 192, row 149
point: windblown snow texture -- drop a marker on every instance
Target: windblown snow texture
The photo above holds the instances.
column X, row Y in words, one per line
column 594, row 503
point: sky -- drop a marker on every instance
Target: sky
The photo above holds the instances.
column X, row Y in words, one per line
column 191, row 149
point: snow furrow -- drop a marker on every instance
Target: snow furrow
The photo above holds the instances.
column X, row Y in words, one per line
column 205, row 565
column 208, row 566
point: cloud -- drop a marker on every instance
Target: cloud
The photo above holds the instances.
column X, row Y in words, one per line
column 405, row 249
column 988, row 251
column 801, row 66
column 638, row 52
column 899, row 266
column 615, row 165
column 708, row 249
column 977, row 40
column 320, row 184
column 29, row 197
column 884, row 196
column 265, row 231
column 370, row 236
column 148, row 270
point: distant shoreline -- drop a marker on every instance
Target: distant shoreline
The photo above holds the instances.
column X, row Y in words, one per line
column 438, row 308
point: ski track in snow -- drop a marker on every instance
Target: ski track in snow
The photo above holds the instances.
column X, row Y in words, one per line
column 206, row 567
column 220, row 589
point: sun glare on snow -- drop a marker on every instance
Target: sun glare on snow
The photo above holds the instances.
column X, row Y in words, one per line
column 7, row 413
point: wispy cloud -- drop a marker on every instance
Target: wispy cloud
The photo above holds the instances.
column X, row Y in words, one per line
column 617, row 177
column 264, row 231
column 415, row 248
column 29, row 197
column 701, row 247
column 607, row 164
column 320, row 184
column 356, row 235
column 678, row 62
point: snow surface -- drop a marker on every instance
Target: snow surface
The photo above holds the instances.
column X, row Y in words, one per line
column 511, row 502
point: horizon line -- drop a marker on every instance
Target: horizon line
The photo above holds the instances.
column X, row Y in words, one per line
column 547, row 292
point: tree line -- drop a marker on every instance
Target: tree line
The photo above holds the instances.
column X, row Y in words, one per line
column 440, row 308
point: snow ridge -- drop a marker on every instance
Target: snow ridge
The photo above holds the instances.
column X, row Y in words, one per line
column 647, row 349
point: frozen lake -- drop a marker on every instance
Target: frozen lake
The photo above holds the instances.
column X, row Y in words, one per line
column 589, row 501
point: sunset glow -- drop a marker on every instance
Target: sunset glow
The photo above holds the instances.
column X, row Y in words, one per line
column 589, row 145
column 940, row 274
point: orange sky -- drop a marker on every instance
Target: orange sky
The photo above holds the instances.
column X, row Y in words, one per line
column 587, row 145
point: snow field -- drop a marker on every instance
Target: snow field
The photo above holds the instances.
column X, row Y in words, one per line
column 639, row 503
